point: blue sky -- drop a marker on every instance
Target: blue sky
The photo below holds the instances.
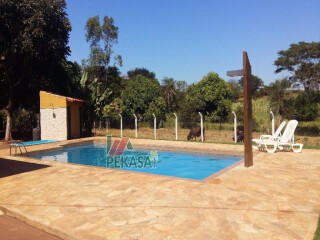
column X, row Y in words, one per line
column 185, row 39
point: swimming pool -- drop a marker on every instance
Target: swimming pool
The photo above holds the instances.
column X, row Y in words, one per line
column 170, row 163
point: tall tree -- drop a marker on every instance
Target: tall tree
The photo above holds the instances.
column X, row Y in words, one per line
column 101, row 81
column 257, row 83
column 277, row 93
column 107, row 33
column 235, row 88
column 211, row 96
column 302, row 61
column 141, row 71
column 169, row 92
column 33, row 42
column 142, row 96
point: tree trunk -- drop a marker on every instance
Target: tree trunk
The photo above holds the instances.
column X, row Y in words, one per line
column 8, row 126
column 8, row 111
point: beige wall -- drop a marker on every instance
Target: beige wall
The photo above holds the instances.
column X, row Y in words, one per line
column 53, row 127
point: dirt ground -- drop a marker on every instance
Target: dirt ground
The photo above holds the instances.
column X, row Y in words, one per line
column 216, row 136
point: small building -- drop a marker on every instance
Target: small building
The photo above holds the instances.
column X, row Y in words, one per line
column 60, row 117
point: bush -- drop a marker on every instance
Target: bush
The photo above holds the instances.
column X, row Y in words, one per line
column 308, row 131
column 24, row 120
column 301, row 108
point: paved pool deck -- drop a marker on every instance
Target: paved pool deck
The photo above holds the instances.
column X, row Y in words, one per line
column 277, row 198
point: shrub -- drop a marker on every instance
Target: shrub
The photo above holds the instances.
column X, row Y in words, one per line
column 24, row 120
column 301, row 108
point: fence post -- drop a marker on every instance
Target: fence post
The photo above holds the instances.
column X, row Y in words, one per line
column 176, row 125
column 154, row 125
column 120, row 124
column 136, row 125
column 235, row 127
column 272, row 122
column 201, row 125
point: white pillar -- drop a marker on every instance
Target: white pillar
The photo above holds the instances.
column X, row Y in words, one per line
column 201, row 125
column 120, row 125
column 272, row 122
column 176, row 125
column 235, row 126
column 136, row 125
column 154, row 125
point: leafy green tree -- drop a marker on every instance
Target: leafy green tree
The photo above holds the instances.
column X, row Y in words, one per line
column 141, row 71
column 107, row 33
column 302, row 107
column 157, row 107
column 169, row 92
column 33, row 42
column 277, row 92
column 101, row 82
column 181, row 91
column 302, row 60
column 103, row 89
column 211, row 96
column 143, row 97
column 257, row 83
column 235, row 88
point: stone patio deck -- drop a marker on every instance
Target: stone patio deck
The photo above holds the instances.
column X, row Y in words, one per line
column 277, row 198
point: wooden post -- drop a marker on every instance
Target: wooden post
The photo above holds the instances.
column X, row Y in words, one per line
column 248, row 160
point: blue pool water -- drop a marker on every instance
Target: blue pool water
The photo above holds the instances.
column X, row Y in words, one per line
column 31, row 143
column 170, row 163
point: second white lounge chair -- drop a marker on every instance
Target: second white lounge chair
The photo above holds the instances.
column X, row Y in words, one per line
column 286, row 141
column 266, row 138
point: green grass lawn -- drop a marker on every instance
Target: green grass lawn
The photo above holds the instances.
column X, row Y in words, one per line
column 317, row 235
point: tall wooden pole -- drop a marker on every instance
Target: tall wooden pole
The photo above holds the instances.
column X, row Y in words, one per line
column 248, row 160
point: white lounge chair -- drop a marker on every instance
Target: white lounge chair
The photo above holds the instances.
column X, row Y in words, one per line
column 264, row 138
column 286, row 141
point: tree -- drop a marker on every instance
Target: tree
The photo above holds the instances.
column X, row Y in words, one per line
column 277, row 93
column 235, row 88
column 141, row 97
column 107, row 33
column 302, row 107
column 257, row 83
column 141, row 71
column 33, row 42
column 302, row 60
column 181, row 91
column 169, row 92
column 101, row 82
column 211, row 96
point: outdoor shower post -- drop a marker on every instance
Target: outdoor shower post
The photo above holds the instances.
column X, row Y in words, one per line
column 120, row 125
column 247, row 86
column 154, row 125
column 245, row 72
column 136, row 125
column 272, row 122
column 201, row 125
column 176, row 125
column 235, row 126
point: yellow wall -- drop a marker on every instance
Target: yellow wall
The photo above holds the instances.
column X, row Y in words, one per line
column 75, row 119
column 48, row 100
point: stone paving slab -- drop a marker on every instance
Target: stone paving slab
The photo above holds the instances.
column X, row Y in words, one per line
column 277, row 198
column 13, row 229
